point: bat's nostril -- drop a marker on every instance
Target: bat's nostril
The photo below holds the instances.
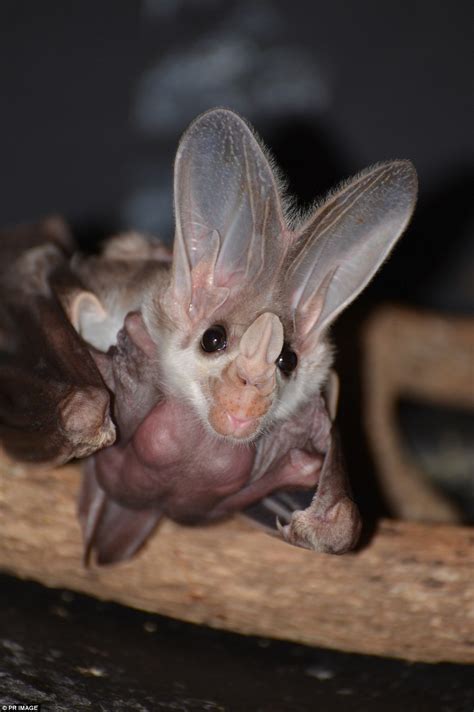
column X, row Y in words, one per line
column 248, row 380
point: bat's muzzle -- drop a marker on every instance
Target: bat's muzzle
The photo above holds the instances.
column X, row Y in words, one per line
column 244, row 394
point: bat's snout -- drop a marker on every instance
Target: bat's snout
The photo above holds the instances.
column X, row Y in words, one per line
column 245, row 392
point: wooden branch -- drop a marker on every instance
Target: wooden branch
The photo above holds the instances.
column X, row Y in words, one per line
column 424, row 356
column 409, row 593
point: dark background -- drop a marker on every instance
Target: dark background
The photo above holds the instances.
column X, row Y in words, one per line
column 94, row 97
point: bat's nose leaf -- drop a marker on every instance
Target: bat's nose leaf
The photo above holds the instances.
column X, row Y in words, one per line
column 259, row 348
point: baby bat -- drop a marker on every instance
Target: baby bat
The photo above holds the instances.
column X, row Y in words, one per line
column 216, row 359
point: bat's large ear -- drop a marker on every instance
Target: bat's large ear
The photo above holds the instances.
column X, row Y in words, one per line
column 341, row 246
column 229, row 221
column 90, row 319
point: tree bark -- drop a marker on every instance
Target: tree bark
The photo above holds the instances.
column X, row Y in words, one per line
column 408, row 592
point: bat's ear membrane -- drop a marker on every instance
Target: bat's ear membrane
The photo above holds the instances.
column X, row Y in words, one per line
column 229, row 221
column 85, row 309
column 339, row 249
column 87, row 315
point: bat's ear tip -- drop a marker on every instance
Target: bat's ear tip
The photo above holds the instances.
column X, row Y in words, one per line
column 408, row 165
column 404, row 170
column 218, row 112
column 409, row 170
column 219, row 120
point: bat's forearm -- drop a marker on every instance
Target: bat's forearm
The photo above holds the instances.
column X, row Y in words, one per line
column 297, row 469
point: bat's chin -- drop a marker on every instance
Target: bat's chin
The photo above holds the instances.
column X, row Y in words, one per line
column 242, row 427
column 236, row 427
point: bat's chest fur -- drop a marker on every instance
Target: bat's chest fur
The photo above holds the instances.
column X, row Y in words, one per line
column 174, row 463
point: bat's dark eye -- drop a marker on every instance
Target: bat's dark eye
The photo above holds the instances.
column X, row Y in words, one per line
column 214, row 339
column 287, row 360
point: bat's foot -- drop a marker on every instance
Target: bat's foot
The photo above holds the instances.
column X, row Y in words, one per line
column 333, row 531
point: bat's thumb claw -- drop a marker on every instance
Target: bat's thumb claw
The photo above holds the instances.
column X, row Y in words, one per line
column 282, row 528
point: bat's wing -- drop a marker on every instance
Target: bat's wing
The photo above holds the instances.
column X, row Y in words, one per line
column 276, row 509
column 53, row 402
column 329, row 520
column 115, row 533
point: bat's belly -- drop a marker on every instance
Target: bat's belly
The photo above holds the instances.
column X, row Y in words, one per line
column 175, row 464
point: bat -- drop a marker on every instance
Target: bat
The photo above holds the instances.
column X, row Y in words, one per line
column 201, row 379
column 53, row 402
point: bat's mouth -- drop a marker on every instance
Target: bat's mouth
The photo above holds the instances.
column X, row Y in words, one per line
column 235, row 426
column 241, row 427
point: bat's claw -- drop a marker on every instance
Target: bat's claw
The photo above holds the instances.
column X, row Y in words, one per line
column 282, row 528
column 334, row 531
